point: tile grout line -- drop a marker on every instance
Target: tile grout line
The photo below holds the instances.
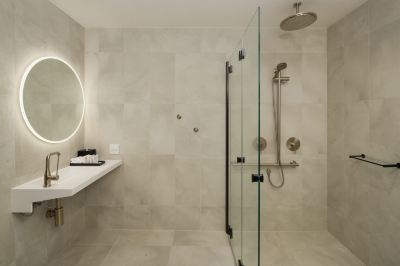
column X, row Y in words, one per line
column 112, row 247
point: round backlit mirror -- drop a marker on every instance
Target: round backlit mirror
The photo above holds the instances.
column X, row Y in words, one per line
column 52, row 99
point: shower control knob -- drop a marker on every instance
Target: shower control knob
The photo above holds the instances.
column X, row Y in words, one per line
column 260, row 143
column 293, row 144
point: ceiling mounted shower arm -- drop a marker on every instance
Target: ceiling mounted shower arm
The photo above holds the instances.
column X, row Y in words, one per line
column 362, row 157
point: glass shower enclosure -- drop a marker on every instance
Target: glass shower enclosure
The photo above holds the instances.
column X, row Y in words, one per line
column 243, row 152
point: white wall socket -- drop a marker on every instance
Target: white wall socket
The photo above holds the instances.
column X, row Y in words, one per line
column 114, row 149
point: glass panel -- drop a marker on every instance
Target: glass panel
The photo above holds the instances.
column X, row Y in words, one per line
column 250, row 140
column 235, row 150
column 243, row 138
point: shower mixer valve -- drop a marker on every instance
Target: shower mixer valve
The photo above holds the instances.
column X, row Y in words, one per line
column 293, row 144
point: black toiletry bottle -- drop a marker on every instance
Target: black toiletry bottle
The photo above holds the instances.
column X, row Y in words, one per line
column 85, row 152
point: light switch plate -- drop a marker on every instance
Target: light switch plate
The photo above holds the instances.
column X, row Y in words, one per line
column 114, row 149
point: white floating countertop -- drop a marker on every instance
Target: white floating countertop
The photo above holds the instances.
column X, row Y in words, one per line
column 72, row 180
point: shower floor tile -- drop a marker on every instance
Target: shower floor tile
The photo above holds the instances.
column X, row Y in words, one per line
column 305, row 248
column 148, row 248
column 198, row 248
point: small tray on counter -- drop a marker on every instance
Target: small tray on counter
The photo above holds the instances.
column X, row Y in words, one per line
column 88, row 164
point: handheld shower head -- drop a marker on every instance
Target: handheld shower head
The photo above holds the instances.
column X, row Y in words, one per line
column 278, row 70
column 281, row 67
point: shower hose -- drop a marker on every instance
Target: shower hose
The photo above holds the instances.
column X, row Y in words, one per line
column 277, row 117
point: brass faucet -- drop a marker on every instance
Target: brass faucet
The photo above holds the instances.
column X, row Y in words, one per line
column 47, row 173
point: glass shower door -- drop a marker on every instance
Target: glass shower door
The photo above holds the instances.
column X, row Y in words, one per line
column 235, row 153
column 250, row 139
column 244, row 155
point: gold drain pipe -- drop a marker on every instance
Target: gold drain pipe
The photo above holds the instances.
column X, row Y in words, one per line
column 57, row 213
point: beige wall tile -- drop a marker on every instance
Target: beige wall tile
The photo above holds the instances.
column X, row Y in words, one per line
column 383, row 12
column 362, row 101
column 188, row 176
column 111, row 40
column 191, row 86
column 108, row 191
column 136, row 179
column 163, row 217
column 197, row 77
column 314, row 85
column 384, row 58
column 164, row 72
column 356, row 69
column 31, row 30
column 336, row 75
column 314, row 129
column 162, row 180
column 162, row 120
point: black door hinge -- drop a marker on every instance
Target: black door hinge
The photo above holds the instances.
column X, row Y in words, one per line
column 242, row 54
column 257, row 178
column 240, row 263
column 230, row 69
column 229, row 231
column 240, row 160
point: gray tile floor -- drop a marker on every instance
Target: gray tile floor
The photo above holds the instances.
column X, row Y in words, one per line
column 193, row 248
column 148, row 248
column 305, row 248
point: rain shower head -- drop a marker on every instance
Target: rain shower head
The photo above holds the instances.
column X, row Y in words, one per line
column 298, row 21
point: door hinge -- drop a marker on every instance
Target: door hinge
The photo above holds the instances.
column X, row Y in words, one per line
column 240, row 160
column 229, row 231
column 230, row 69
column 257, row 178
column 240, row 263
column 242, row 54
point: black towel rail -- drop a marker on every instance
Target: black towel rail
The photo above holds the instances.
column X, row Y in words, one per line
column 362, row 157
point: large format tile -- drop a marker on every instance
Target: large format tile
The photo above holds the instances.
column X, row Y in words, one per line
column 148, row 237
column 29, row 30
column 161, row 120
column 326, row 256
column 197, row 256
column 306, row 248
column 97, row 237
column 111, row 40
column 200, row 238
column 124, row 252
column 273, row 252
column 356, row 69
column 188, row 179
column 314, row 86
column 191, row 86
column 384, row 59
column 382, row 12
column 136, row 180
column 82, row 256
column 162, row 184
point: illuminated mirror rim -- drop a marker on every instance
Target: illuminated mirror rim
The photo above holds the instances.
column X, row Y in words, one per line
column 21, row 99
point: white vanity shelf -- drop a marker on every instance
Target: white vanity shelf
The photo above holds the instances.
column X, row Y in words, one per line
column 72, row 180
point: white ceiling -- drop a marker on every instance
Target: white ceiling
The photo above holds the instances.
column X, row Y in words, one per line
column 196, row 13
